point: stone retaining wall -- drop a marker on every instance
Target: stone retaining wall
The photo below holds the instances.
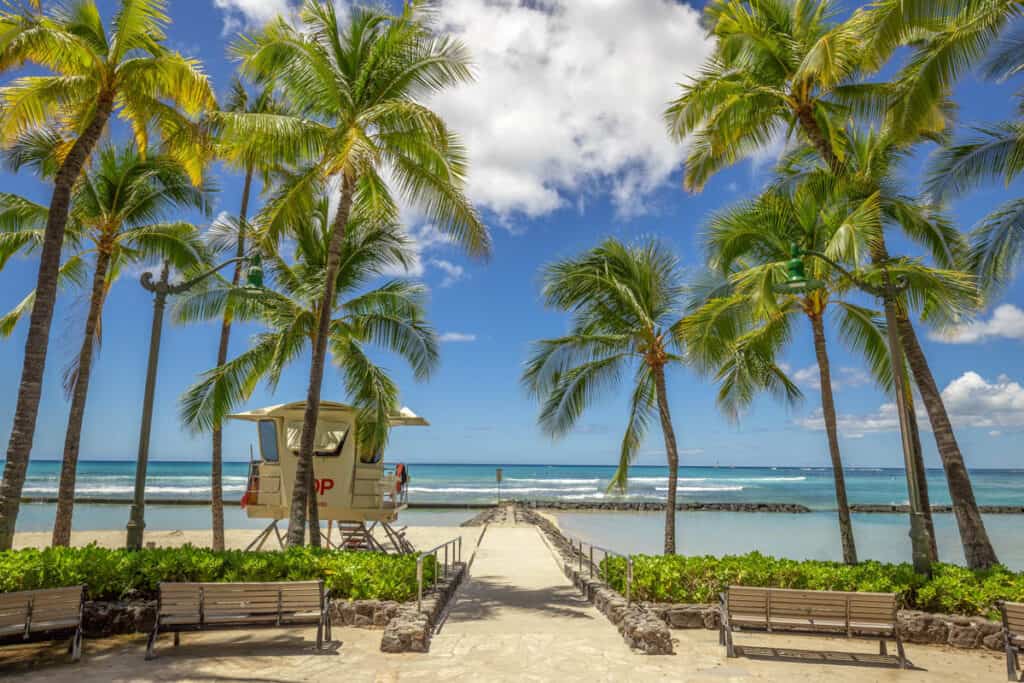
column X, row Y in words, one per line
column 410, row 629
column 913, row 626
column 622, row 506
column 640, row 628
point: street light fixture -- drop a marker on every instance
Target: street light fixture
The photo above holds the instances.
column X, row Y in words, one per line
column 798, row 283
column 161, row 289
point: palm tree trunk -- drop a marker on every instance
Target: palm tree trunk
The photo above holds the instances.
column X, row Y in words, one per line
column 314, row 512
column 304, row 466
column 828, row 410
column 80, row 391
column 217, row 456
column 34, row 363
column 978, row 550
column 672, row 455
column 809, row 124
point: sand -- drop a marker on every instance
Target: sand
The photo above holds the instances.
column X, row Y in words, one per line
column 516, row 619
column 422, row 537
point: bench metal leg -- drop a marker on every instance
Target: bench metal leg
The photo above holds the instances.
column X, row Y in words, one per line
column 882, row 649
column 725, row 628
column 901, row 653
column 151, row 644
column 177, row 638
column 75, row 645
column 1011, row 660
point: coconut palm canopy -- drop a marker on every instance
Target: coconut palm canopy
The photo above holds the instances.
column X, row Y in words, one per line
column 365, row 314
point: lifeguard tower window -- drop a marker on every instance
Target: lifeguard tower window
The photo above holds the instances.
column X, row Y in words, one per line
column 328, row 443
column 268, row 440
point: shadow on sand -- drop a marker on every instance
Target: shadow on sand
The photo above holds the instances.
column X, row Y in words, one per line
column 822, row 657
column 482, row 597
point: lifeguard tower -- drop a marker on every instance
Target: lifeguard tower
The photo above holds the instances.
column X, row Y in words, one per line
column 354, row 490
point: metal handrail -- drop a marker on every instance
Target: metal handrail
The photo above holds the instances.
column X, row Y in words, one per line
column 456, row 556
column 578, row 545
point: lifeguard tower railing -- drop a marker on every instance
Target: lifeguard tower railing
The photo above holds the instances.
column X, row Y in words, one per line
column 401, row 498
column 270, row 486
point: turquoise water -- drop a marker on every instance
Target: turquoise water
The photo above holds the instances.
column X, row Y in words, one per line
column 476, row 483
column 812, row 536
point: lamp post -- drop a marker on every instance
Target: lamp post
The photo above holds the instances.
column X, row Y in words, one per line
column 797, row 282
column 161, row 289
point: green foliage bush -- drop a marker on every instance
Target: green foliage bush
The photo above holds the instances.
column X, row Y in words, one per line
column 699, row 579
column 114, row 574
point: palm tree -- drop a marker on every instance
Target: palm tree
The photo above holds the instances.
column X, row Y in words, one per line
column 231, row 235
column 780, row 66
column 360, row 88
column 93, row 73
column 993, row 153
column 389, row 316
column 624, row 302
column 750, row 243
column 116, row 222
column 871, row 168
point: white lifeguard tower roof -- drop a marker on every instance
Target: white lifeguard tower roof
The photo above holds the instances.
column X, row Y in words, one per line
column 404, row 418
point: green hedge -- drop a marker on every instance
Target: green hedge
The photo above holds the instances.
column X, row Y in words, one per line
column 681, row 579
column 114, row 574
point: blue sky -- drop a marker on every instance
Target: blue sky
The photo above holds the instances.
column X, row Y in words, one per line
column 564, row 132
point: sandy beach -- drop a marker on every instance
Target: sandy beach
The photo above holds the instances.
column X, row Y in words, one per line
column 423, row 537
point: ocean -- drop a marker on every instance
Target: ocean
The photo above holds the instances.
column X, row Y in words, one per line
column 813, row 535
column 432, row 483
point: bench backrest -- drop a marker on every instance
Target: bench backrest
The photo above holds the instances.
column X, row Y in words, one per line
column 41, row 610
column 1013, row 617
column 851, row 609
column 199, row 602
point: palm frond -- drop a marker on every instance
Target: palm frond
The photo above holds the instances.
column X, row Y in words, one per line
column 641, row 411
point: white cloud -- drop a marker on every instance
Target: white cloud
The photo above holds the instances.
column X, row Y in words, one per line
column 970, row 400
column 569, row 94
column 841, row 379
column 457, row 337
column 885, row 419
column 245, row 14
column 1007, row 322
column 974, row 402
column 427, row 238
column 452, row 272
column 568, row 98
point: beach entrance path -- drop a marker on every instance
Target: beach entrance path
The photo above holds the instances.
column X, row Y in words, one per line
column 518, row 615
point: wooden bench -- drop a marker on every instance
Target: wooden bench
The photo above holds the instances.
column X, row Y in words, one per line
column 1013, row 636
column 50, row 614
column 215, row 606
column 803, row 612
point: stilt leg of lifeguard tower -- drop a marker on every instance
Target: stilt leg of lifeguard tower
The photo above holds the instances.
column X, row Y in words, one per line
column 264, row 535
column 397, row 538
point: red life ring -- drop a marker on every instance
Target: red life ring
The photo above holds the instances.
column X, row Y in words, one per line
column 401, row 476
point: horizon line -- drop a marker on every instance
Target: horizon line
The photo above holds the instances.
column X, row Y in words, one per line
column 542, row 464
